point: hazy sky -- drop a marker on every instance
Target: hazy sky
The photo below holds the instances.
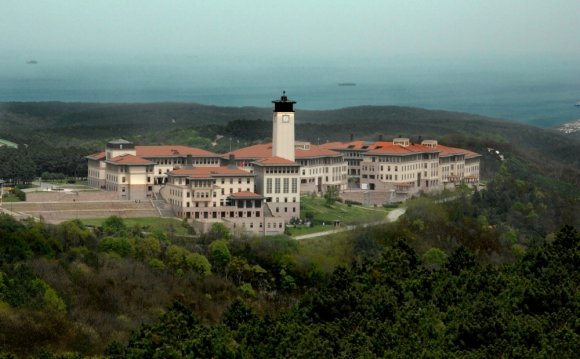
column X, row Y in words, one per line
column 357, row 33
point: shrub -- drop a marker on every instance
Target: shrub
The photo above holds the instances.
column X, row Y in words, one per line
column 121, row 246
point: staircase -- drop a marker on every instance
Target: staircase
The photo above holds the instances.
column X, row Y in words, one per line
column 159, row 203
column 163, row 208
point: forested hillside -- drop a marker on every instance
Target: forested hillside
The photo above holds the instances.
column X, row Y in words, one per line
column 487, row 274
column 80, row 128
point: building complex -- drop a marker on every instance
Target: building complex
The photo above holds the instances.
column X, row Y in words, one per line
column 257, row 188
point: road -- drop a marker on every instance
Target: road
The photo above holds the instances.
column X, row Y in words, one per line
column 391, row 217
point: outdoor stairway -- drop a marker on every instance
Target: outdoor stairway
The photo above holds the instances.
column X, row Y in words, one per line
column 163, row 208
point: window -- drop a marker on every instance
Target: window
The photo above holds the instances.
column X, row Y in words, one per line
column 286, row 185
column 269, row 185
column 294, row 185
column 277, row 185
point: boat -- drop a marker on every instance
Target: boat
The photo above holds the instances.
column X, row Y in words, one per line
column 31, row 62
column 347, row 84
column 577, row 104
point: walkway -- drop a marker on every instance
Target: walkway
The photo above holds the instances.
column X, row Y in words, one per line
column 391, row 217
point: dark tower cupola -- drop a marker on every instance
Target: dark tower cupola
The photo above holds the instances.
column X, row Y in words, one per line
column 283, row 104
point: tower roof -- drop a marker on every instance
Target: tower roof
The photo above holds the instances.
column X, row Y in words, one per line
column 283, row 104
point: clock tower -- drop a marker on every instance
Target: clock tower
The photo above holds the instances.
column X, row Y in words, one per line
column 283, row 131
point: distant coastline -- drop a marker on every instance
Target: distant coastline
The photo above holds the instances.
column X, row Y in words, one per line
column 540, row 103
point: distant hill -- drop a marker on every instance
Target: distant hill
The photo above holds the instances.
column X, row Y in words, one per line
column 84, row 123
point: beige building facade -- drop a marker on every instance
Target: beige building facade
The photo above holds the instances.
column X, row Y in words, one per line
column 257, row 189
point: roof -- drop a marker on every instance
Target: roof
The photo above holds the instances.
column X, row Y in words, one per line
column 315, row 151
column 388, row 147
column 264, row 150
column 171, row 150
column 96, row 156
column 333, row 145
column 209, row 172
column 357, row 145
column 128, row 159
column 471, row 154
column 445, row 151
column 385, row 148
column 275, row 161
column 245, row 194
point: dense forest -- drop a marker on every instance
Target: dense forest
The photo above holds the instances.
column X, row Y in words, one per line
column 488, row 274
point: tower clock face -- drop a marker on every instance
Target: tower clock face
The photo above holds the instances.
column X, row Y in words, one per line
column 285, row 118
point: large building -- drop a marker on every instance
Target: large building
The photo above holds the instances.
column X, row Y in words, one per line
column 257, row 188
column 404, row 168
column 133, row 171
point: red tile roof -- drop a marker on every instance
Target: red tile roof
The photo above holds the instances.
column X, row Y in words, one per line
column 471, row 154
column 385, row 148
column 315, row 151
column 445, row 151
column 252, row 152
column 245, row 194
column 165, row 151
column 209, row 172
column 264, row 150
column 97, row 156
column 128, row 159
column 333, row 145
column 276, row 161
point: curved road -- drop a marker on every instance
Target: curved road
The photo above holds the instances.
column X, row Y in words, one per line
column 391, row 217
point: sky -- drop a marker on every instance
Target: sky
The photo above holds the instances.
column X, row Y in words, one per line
column 290, row 33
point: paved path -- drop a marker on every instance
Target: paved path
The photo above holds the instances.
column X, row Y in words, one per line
column 391, row 217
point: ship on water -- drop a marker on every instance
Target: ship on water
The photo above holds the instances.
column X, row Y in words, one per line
column 347, row 84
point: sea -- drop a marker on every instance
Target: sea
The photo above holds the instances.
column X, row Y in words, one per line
column 536, row 97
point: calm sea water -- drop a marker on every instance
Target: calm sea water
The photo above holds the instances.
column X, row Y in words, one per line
column 540, row 99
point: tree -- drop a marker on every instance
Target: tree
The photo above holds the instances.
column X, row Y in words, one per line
column 114, row 225
column 218, row 231
column 118, row 245
column 331, row 195
column 434, row 258
column 220, row 253
column 181, row 260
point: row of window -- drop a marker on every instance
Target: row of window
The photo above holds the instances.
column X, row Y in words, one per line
column 281, row 170
column 225, row 214
column 285, row 182
column 182, row 161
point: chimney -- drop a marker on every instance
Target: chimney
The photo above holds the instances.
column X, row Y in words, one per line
column 352, row 137
column 380, row 137
column 232, row 161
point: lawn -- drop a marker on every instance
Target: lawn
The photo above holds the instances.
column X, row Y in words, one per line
column 327, row 252
column 10, row 197
column 324, row 215
column 149, row 224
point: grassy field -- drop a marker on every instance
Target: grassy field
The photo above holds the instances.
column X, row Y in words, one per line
column 10, row 197
column 324, row 215
column 149, row 224
column 327, row 252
